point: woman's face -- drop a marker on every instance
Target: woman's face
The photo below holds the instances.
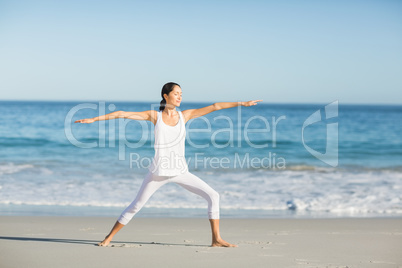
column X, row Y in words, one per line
column 174, row 97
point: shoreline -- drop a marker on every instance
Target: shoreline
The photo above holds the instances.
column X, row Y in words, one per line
column 65, row 241
column 154, row 212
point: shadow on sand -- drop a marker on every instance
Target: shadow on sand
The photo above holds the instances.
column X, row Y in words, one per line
column 91, row 242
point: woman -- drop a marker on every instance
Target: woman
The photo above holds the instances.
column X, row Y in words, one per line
column 169, row 164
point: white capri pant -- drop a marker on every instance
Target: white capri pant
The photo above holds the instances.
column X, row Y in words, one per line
column 187, row 180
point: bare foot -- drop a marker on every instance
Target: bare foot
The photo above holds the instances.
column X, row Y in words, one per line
column 223, row 243
column 105, row 242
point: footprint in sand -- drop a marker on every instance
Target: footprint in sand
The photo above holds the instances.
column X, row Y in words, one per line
column 256, row 242
column 382, row 262
column 86, row 229
column 125, row 246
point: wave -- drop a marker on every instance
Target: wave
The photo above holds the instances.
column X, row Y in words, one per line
column 40, row 141
column 64, row 166
column 30, row 142
column 300, row 189
column 298, row 207
column 11, row 168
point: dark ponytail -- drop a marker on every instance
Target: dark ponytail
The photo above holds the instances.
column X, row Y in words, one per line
column 166, row 89
column 163, row 104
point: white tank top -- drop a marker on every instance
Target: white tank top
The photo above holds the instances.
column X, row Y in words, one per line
column 169, row 159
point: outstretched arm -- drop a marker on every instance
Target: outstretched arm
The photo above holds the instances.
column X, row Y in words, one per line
column 194, row 113
column 145, row 115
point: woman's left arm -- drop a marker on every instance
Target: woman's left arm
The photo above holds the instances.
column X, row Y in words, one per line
column 194, row 113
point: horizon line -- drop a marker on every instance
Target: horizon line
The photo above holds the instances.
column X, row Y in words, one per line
column 190, row 101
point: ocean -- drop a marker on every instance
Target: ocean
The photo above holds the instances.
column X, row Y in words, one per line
column 268, row 160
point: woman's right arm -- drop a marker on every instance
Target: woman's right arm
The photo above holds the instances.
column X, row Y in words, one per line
column 149, row 115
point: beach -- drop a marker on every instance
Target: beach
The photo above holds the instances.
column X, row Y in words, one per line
column 283, row 119
column 183, row 242
column 63, row 185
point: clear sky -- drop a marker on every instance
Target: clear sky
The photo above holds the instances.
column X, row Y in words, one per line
column 279, row 51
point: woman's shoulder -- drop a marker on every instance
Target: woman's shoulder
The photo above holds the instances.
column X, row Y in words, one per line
column 154, row 116
column 187, row 114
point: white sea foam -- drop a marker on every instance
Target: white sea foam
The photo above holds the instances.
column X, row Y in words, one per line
column 10, row 168
column 305, row 190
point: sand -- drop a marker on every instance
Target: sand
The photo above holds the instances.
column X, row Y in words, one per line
column 175, row 242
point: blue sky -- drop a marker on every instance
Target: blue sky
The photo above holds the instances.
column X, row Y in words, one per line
column 278, row 51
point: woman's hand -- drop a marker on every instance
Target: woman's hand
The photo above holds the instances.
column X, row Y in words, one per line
column 85, row 121
column 250, row 103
